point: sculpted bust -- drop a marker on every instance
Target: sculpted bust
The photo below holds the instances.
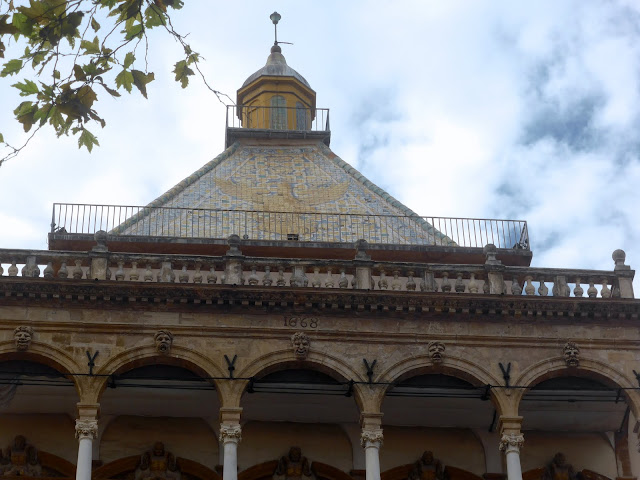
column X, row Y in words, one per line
column 293, row 466
column 157, row 464
column 559, row 469
column 20, row 459
column 22, row 336
column 427, row 468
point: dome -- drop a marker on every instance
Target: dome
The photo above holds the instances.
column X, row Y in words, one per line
column 276, row 66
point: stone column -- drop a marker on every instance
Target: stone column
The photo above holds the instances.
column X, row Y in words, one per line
column 510, row 444
column 86, row 431
column 371, row 441
column 230, row 436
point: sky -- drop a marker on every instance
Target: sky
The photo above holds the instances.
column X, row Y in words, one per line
column 489, row 109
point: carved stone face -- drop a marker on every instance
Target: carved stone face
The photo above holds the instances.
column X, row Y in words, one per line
column 436, row 351
column 22, row 336
column 571, row 354
column 301, row 345
column 295, row 454
column 163, row 341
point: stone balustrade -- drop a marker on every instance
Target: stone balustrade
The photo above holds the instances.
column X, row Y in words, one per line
column 360, row 273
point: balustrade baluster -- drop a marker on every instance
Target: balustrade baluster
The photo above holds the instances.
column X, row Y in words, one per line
column 120, row 272
column 411, row 283
column 197, row 275
column 605, row 292
column 578, row 290
column 592, row 291
column 280, row 281
column 148, row 274
column 529, row 289
column 253, row 277
column 316, row 283
column 211, row 276
column 134, row 275
column 473, row 284
column 516, row 289
column 328, row 281
column 183, row 277
column 383, row 283
column 267, row 281
column 543, row 290
column 13, row 269
column 343, row 282
column 459, row 285
column 445, row 284
column 63, row 272
column 48, row 271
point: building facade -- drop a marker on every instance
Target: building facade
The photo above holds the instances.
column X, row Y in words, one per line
column 277, row 316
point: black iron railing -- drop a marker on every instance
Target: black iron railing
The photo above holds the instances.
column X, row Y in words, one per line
column 295, row 226
column 302, row 119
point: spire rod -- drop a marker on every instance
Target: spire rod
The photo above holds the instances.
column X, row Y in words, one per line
column 275, row 18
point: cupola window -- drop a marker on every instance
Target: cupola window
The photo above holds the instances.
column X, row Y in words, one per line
column 301, row 117
column 278, row 113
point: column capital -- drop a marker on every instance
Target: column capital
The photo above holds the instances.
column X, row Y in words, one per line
column 86, row 429
column 230, row 433
column 230, row 415
column 509, row 424
column 371, row 438
column 511, row 442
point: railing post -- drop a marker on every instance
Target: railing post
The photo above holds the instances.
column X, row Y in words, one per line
column 99, row 256
column 233, row 262
column 560, row 287
column 494, row 269
column 363, row 263
column 623, row 273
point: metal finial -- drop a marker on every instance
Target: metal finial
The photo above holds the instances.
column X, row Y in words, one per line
column 275, row 18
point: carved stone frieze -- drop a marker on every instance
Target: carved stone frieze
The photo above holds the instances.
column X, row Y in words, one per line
column 22, row 336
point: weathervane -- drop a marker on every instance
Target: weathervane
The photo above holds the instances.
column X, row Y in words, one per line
column 275, row 18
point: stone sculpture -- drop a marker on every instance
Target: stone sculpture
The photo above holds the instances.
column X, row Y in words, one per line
column 571, row 354
column 559, row 469
column 20, row 459
column 436, row 351
column 158, row 464
column 427, row 468
column 164, row 340
column 293, row 466
column 301, row 345
column 22, row 336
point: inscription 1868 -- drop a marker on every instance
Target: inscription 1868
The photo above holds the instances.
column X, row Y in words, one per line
column 301, row 322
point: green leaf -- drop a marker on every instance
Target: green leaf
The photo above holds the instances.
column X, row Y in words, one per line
column 128, row 60
column 182, row 73
column 91, row 47
column 26, row 88
column 94, row 24
column 87, row 139
column 86, row 96
column 22, row 23
column 25, row 114
column 56, row 74
column 38, row 57
column 154, row 17
column 5, row 27
column 79, row 73
column 11, row 67
column 134, row 31
column 1, row 138
column 140, row 80
column 112, row 92
column 124, row 79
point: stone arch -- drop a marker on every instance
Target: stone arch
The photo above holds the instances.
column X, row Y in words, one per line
column 50, row 356
column 451, row 365
column 148, row 355
column 283, row 359
column 595, row 369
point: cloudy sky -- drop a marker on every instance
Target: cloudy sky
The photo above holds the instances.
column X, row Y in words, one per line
column 500, row 109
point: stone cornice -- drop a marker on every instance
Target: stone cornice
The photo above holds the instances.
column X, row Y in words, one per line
column 68, row 293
